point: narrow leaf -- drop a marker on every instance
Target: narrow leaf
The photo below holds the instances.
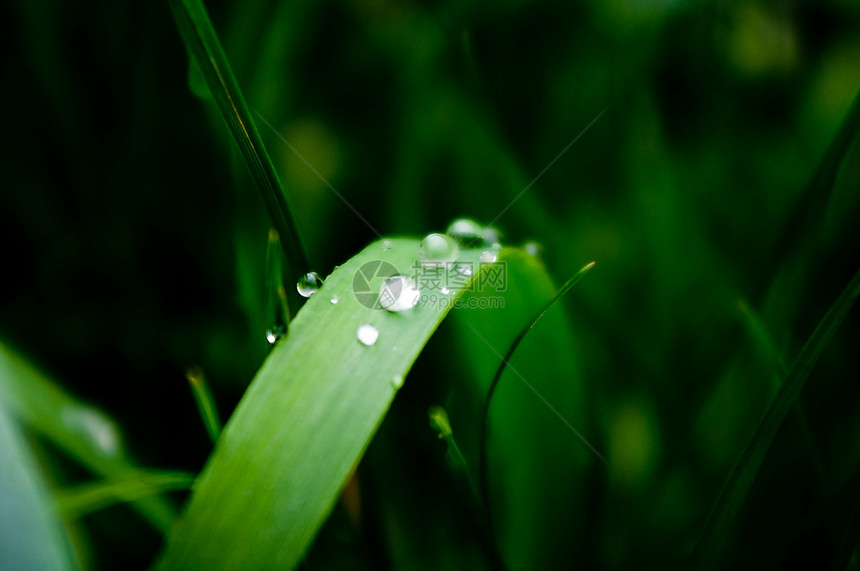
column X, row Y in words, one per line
column 306, row 419
column 204, row 46
column 743, row 474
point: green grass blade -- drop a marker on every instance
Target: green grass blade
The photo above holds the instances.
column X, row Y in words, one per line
column 131, row 486
column 82, row 431
column 205, row 402
column 204, row 46
column 304, row 423
column 31, row 533
column 277, row 311
column 804, row 226
column 736, row 487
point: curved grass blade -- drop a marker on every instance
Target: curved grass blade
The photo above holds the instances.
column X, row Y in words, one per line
column 743, row 474
column 205, row 48
column 304, row 423
column 205, row 402
column 482, row 466
column 31, row 533
column 810, row 209
column 87, row 498
column 80, row 430
column 482, row 470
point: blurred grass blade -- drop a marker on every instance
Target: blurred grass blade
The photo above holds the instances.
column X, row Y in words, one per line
column 453, row 456
column 800, row 232
column 304, row 423
column 205, row 402
column 495, row 382
column 88, row 498
column 31, row 533
column 205, row 48
column 83, row 432
column 731, row 498
column 277, row 318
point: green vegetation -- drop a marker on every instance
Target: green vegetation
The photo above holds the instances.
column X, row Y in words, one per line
column 689, row 401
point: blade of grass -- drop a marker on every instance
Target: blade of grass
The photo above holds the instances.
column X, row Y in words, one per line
column 32, row 535
column 810, row 209
column 276, row 296
column 743, row 474
column 83, row 432
column 305, row 422
column 88, row 498
column 205, row 402
column 482, row 467
column 203, row 44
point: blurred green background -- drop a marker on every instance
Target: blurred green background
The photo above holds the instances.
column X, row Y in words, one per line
column 134, row 241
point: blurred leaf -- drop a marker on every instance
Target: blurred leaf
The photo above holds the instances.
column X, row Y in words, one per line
column 83, row 432
column 128, row 487
column 536, row 465
column 734, row 492
column 205, row 48
column 31, row 532
column 305, row 421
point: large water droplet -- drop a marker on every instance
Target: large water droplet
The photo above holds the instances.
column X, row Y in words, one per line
column 466, row 232
column 368, row 334
column 398, row 293
column 438, row 250
column 309, row 284
column 397, row 381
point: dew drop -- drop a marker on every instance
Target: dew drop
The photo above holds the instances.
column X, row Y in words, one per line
column 309, row 284
column 398, row 293
column 275, row 333
column 465, row 269
column 386, row 245
column 397, row 381
column 466, row 232
column 492, row 237
column 533, row 248
column 444, row 290
column 489, row 257
column 438, row 250
column 368, row 334
column 334, row 299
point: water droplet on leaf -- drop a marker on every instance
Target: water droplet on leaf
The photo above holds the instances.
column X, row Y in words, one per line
column 397, row 381
column 398, row 293
column 368, row 334
column 309, row 284
column 438, row 250
column 466, row 232
column 334, row 299
column 489, row 257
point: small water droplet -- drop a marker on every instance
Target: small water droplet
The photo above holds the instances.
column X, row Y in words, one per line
column 492, row 237
column 275, row 333
column 368, row 334
column 533, row 248
column 398, row 293
column 444, row 290
column 489, row 257
column 438, row 250
column 465, row 269
column 334, row 299
column 309, row 284
column 386, row 245
column 466, row 232
column 397, row 381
